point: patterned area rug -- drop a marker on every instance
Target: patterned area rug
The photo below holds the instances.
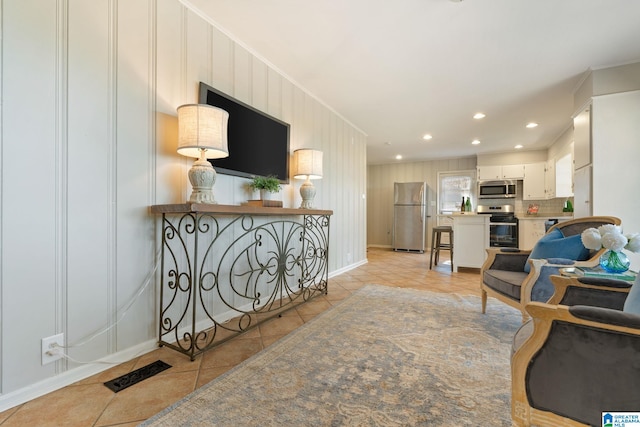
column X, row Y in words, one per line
column 383, row 357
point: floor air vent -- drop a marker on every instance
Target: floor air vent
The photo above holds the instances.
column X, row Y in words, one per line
column 134, row 377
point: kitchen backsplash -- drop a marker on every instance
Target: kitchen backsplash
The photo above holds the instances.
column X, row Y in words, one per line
column 550, row 206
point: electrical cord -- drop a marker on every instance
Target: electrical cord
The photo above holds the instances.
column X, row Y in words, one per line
column 59, row 350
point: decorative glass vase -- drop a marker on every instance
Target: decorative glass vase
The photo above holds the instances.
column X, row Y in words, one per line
column 614, row 262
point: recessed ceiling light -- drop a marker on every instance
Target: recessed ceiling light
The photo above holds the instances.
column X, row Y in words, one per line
column 519, row 146
column 531, row 125
column 475, row 142
column 479, row 116
column 398, row 157
column 427, row 137
column 387, row 143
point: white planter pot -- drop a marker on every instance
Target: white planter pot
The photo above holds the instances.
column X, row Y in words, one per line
column 266, row 195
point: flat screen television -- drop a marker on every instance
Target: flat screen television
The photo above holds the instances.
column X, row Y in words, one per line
column 258, row 143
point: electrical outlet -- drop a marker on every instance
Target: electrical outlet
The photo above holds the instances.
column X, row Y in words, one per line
column 49, row 345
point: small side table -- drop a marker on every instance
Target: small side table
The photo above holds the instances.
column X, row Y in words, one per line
column 628, row 276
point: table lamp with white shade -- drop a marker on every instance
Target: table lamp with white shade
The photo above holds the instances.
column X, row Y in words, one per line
column 307, row 164
column 202, row 133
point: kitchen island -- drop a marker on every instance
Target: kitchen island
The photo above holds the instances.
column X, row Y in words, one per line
column 470, row 239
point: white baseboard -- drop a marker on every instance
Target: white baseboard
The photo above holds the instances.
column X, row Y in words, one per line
column 71, row 376
column 74, row 375
column 347, row 268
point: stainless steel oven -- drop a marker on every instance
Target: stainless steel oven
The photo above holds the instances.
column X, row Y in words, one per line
column 505, row 189
column 503, row 224
column 503, row 231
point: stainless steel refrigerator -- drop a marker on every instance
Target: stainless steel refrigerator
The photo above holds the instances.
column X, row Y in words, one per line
column 409, row 216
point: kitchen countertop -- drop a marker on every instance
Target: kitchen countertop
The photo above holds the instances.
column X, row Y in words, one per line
column 545, row 216
column 521, row 216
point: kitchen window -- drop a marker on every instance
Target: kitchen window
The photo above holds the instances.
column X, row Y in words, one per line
column 452, row 187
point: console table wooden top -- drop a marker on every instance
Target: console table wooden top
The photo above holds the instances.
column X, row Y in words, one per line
column 234, row 209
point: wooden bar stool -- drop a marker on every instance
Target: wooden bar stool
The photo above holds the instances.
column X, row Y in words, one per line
column 437, row 245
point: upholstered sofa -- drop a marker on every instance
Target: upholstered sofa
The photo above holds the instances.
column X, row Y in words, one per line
column 517, row 277
column 578, row 356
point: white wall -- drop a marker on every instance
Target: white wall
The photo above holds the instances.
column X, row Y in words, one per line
column 563, row 145
column 512, row 158
column 616, row 151
column 380, row 192
column 88, row 139
column 614, row 96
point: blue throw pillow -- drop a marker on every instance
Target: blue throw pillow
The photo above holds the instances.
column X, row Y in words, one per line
column 632, row 303
column 555, row 245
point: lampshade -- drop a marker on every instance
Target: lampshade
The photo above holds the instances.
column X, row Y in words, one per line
column 202, row 133
column 202, row 127
column 307, row 164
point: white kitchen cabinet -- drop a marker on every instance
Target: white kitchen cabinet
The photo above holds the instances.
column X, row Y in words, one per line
column 533, row 185
column 550, row 179
column 470, row 240
column 582, row 192
column 529, row 232
column 582, row 185
column 563, row 176
column 558, row 179
column 532, row 228
column 487, row 173
column 582, row 139
column 513, row 172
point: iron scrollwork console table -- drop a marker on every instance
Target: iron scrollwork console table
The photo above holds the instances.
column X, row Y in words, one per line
column 225, row 269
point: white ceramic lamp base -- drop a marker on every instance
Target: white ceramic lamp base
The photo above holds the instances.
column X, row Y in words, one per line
column 308, row 192
column 202, row 177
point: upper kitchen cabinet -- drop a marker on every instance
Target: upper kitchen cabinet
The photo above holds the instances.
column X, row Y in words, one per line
column 547, row 180
column 550, row 179
column 513, row 172
column 563, row 176
column 582, row 139
column 533, row 185
column 488, row 173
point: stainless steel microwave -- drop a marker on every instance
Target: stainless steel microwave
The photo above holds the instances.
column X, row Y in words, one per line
column 505, row 189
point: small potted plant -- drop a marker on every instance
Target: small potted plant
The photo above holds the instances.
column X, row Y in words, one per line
column 266, row 185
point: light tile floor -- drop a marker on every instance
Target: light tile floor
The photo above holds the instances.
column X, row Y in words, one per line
column 90, row 403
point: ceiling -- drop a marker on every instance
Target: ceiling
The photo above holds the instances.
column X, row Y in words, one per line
column 400, row 69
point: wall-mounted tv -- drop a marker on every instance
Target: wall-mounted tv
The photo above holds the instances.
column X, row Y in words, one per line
column 258, row 143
